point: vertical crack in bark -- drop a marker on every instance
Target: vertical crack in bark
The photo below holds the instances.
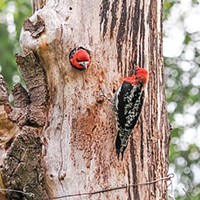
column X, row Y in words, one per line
column 104, row 13
column 142, row 35
column 121, row 35
column 129, row 48
column 61, row 133
column 61, row 117
column 114, row 17
column 134, row 169
column 129, row 188
column 141, row 143
column 135, row 28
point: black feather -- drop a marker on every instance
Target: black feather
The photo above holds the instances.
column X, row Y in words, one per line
column 128, row 104
column 73, row 51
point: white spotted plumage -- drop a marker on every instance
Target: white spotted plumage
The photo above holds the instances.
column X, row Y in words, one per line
column 128, row 101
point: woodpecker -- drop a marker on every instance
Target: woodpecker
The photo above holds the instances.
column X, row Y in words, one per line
column 80, row 58
column 128, row 101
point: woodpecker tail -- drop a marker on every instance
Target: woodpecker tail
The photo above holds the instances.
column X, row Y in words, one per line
column 118, row 146
column 122, row 142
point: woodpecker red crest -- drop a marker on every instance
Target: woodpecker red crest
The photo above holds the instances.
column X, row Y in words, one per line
column 80, row 58
column 128, row 103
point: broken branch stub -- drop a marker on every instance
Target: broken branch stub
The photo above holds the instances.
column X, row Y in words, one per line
column 36, row 29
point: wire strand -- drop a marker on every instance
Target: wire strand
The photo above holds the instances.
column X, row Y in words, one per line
column 168, row 177
column 18, row 191
column 187, row 193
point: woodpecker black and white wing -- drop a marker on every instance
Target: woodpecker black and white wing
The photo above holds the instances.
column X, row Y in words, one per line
column 128, row 104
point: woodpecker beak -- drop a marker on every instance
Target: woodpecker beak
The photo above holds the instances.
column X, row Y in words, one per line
column 134, row 71
column 84, row 64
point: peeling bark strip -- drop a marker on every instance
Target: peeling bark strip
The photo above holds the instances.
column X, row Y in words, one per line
column 3, row 91
column 22, row 167
column 34, row 76
column 20, row 95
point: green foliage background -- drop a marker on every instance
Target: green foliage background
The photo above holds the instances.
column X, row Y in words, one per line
column 181, row 96
column 12, row 16
column 182, row 88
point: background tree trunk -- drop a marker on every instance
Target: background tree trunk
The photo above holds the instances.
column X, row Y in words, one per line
column 76, row 126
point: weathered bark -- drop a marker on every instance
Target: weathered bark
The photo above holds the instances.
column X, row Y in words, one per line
column 78, row 131
column 21, row 126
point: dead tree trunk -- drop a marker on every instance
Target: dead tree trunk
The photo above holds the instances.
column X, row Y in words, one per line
column 64, row 138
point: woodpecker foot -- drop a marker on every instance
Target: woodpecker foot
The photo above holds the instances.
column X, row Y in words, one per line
column 102, row 94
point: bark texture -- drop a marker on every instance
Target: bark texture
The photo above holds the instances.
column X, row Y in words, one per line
column 21, row 126
column 77, row 125
column 22, row 167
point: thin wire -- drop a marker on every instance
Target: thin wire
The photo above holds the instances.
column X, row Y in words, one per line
column 18, row 191
column 168, row 177
column 187, row 193
column 171, row 196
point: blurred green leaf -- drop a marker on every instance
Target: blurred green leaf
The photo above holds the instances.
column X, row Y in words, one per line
column 187, row 39
column 9, row 10
column 167, row 7
column 183, row 93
